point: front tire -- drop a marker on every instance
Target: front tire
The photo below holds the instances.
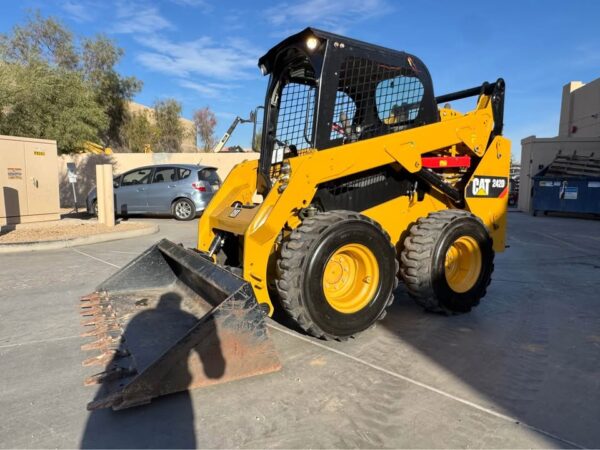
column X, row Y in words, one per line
column 447, row 261
column 336, row 274
column 183, row 209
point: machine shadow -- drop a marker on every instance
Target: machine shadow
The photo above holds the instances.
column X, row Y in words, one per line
column 168, row 421
column 505, row 352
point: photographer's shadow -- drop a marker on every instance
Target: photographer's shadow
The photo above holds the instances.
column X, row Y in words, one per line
column 167, row 422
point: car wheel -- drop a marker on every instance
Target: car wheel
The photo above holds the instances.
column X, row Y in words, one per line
column 184, row 209
column 95, row 207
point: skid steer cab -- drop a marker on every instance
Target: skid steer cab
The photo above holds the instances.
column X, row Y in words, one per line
column 365, row 177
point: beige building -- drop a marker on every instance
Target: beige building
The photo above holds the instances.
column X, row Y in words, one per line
column 578, row 135
column 189, row 142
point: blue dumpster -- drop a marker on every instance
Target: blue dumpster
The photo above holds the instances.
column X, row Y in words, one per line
column 566, row 194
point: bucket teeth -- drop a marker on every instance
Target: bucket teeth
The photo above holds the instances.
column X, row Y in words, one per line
column 94, row 299
column 90, row 302
column 92, row 296
column 100, row 320
column 104, row 342
column 101, row 329
column 109, row 375
column 94, row 310
column 105, row 357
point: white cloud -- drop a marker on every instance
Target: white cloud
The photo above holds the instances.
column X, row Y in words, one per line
column 77, row 11
column 133, row 18
column 227, row 60
column 193, row 3
column 332, row 15
column 207, row 89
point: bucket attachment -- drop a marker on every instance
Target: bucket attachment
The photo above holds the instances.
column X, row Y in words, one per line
column 169, row 321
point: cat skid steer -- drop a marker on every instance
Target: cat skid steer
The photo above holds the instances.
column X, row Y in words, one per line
column 365, row 177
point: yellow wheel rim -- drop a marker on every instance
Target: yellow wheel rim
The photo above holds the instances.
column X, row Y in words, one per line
column 463, row 264
column 350, row 278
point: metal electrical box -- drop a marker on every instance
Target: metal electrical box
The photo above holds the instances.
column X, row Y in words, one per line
column 29, row 180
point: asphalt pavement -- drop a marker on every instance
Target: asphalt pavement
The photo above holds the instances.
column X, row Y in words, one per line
column 521, row 371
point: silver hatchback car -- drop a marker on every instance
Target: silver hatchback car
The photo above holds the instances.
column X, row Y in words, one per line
column 181, row 190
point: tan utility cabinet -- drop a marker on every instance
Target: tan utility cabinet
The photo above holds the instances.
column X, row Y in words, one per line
column 29, row 180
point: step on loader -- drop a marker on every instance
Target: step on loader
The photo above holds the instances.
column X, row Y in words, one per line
column 365, row 177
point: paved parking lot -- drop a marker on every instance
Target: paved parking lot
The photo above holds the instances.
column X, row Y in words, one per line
column 522, row 370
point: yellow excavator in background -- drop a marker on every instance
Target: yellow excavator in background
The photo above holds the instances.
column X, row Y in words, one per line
column 96, row 149
column 363, row 181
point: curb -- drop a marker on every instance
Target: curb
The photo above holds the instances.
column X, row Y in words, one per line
column 75, row 242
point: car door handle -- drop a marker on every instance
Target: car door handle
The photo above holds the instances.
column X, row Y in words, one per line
column 141, row 189
column 172, row 185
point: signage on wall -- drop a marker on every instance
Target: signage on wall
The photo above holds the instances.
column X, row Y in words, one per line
column 71, row 175
column 15, row 173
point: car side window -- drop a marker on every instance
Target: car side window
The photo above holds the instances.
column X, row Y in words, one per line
column 164, row 174
column 139, row 176
column 184, row 173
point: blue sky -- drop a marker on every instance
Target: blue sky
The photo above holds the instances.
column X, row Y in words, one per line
column 204, row 52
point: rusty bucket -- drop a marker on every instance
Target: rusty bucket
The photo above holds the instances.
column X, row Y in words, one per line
column 169, row 321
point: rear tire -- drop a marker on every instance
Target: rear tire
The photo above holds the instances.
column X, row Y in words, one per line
column 183, row 209
column 336, row 274
column 447, row 261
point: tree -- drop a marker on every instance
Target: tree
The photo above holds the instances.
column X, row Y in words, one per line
column 139, row 132
column 40, row 39
column 99, row 58
column 47, row 47
column 170, row 130
column 257, row 141
column 40, row 101
column 205, row 122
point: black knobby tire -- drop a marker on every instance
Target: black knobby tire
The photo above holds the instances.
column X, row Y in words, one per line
column 182, row 204
column 300, row 266
column 422, row 261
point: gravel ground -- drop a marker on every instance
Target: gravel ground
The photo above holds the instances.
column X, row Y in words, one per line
column 61, row 230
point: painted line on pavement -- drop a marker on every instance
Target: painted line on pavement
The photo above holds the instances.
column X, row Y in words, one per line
column 93, row 257
column 40, row 341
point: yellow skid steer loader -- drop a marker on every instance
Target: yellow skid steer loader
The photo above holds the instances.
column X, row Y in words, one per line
column 365, row 177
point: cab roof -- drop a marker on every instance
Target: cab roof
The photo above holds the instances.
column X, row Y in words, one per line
column 268, row 59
